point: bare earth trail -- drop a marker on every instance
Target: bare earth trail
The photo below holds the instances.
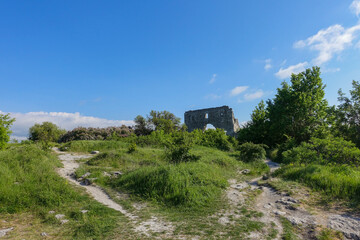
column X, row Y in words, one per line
column 274, row 205
column 152, row 225
column 271, row 203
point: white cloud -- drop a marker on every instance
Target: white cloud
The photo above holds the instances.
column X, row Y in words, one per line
column 286, row 72
column 330, row 41
column 237, row 90
column 357, row 45
column 253, row 96
column 330, row 70
column 268, row 64
column 64, row 120
column 213, row 79
column 355, row 7
column 212, row 96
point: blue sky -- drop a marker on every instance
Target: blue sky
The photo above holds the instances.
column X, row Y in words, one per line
column 100, row 63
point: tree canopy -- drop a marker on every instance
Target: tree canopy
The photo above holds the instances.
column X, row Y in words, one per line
column 5, row 123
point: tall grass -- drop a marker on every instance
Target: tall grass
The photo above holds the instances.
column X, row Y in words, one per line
column 28, row 180
column 338, row 181
column 188, row 184
column 93, row 145
column 30, row 184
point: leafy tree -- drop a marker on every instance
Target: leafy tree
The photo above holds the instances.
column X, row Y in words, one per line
column 163, row 120
column 299, row 109
column 347, row 120
column 45, row 132
column 141, row 126
column 5, row 123
column 256, row 129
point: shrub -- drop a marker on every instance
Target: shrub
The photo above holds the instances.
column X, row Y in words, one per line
column 330, row 150
column 178, row 149
column 213, row 138
column 5, row 124
column 132, row 148
column 45, row 132
column 250, row 152
column 109, row 133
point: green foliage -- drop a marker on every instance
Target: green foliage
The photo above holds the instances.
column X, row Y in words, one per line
column 256, row 130
column 45, row 132
column 338, row 181
column 250, row 152
column 188, row 184
column 132, row 148
column 324, row 151
column 5, row 124
column 109, row 133
column 213, row 138
column 298, row 111
column 92, row 145
column 178, row 148
column 155, row 121
column 347, row 115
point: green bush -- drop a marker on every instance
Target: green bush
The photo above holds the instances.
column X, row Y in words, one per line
column 132, row 148
column 214, row 138
column 250, row 152
column 188, row 184
column 178, row 149
column 324, row 151
column 45, row 132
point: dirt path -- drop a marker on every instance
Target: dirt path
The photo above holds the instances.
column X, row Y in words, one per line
column 147, row 227
column 274, row 205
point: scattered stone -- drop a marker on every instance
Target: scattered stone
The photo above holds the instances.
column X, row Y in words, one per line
column 84, row 211
column 291, row 207
column 95, row 152
column 3, row 232
column 240, row 186
column 116, row 173
column 280, row 213
column 287, row 201
column 224, row 220
column 88, row 181
column 44, row 234
column 63, row 221
column 51, row 212
column 106, row 174
column 265, row 177
column 245, row 171
column 85, row 175
column 349, row 226
column 16, row 183
column 59, row 216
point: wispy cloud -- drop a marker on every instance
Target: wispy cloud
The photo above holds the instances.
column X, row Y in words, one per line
column 286, row 72
column 213, row 78
column 268, row 64
column 330, row 41
column 212, row 96
column 237, row 90
column 64, row 120
column 355, row 7
column 252, row 96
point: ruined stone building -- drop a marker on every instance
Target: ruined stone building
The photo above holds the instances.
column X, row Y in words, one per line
column 219, row 117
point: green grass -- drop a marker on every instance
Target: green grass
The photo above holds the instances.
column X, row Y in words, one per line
column 338, row 181
column 288, row 230
column 29, row 184
column 93, row 145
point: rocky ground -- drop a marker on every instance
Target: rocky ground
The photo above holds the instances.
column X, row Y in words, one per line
column 273, row 205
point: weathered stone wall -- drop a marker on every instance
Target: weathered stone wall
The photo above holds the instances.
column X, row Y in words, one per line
column 219, row 117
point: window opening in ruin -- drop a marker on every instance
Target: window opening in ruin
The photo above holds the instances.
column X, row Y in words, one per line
column 206, row 116
column 209, row 126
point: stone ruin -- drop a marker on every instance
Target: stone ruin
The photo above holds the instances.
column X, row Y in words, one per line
column 219, row 117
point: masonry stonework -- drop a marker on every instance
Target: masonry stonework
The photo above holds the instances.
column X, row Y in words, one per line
column 219, row 117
